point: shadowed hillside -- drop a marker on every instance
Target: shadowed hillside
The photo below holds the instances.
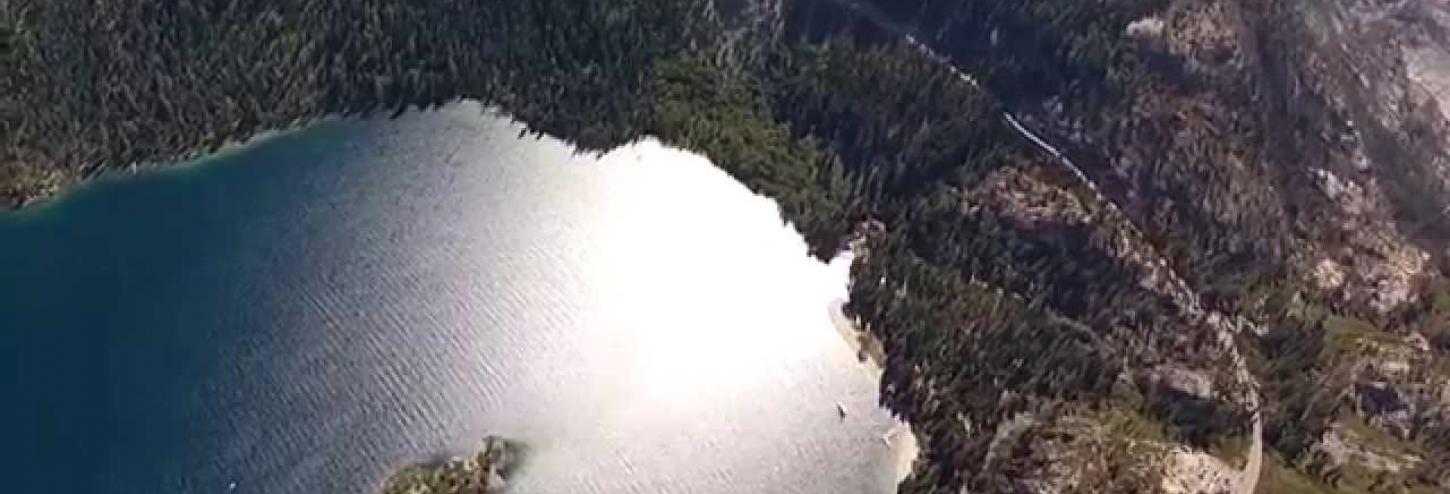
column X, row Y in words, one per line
column 1107, row 246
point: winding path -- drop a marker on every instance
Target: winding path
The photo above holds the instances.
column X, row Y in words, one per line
column 1249, row 477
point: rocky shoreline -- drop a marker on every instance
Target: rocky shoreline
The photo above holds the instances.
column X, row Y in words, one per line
column 484, row 472
column 900, row 439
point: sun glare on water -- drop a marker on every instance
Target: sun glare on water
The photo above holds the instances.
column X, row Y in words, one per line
column 761, row 307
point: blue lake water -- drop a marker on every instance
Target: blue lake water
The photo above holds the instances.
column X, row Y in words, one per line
column 303, row 314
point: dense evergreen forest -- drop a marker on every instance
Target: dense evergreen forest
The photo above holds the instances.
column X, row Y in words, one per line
column 1046, row 329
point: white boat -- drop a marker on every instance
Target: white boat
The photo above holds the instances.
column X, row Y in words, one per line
column 889, row 435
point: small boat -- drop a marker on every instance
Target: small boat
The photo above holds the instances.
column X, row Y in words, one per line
column 841, row 410
column 889, row 435
column 232, row 486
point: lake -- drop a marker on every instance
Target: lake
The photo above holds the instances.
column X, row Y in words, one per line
column 309, row 311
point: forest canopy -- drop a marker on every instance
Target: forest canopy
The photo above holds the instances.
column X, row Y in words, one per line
column 1164, row 288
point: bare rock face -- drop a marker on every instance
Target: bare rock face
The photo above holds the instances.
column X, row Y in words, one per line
column 1301, row 130
column 1424, row 39
column 1206, row 34
column 1395, row 396
column 1345, row 447
column 1189, row 382
column 1089, row 454
column 1328, row 275
column 1148, row 28
column 1196, row 472
column 1028, row 200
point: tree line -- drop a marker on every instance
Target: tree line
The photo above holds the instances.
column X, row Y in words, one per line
column 986, row 318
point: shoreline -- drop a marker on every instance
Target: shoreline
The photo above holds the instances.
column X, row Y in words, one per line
column 900, row 439
column 63, row 184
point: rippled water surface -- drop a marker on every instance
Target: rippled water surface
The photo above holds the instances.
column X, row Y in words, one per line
column 303, row 314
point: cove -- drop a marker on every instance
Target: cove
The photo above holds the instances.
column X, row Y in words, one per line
column 305, row 313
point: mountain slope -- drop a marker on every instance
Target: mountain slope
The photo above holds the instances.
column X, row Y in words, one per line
column 1107, row 246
